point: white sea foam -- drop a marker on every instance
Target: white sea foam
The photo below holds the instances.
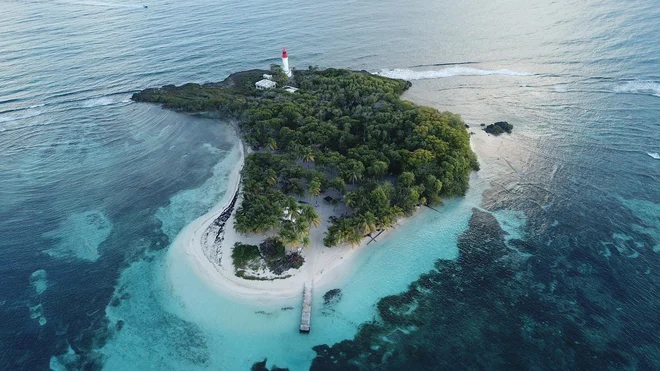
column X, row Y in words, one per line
column 105, row 101
column 560, row 89
column 655, row 155
column 408, row 74
column 639, row 87
column 96, row 102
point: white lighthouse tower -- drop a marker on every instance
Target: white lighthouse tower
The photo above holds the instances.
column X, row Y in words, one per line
column 285, row 63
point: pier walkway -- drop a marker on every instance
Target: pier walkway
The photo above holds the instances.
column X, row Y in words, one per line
column 306, row 317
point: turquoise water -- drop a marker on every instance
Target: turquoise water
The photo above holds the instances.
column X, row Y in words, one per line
column 93, row 188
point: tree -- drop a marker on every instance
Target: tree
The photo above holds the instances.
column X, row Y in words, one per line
column 309, row 216
column 354, row 237
column 271, row 144
column 352, row 170
column 377, row 169
column 366, row 222
column 288, row 233
column 406, row 179
column 338, row 184
column 314, row 188
column 271, row 177
column 351, row 199
column 307, row 155
column 306, row 241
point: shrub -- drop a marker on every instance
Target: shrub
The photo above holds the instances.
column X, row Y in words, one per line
column 242, row 254
column 271, row 249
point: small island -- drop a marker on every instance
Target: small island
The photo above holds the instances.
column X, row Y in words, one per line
column 334, row 158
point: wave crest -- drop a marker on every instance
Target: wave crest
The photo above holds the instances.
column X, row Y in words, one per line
column 639, row 87
column 408, row 74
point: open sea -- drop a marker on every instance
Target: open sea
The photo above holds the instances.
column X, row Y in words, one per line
column 550, row 262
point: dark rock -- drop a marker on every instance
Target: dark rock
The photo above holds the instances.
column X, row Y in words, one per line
column 261, row 366
column 498, row 128
column 483, row 124
column 467, row 126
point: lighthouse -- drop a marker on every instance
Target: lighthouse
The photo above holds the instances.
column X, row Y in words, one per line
column 285, row 63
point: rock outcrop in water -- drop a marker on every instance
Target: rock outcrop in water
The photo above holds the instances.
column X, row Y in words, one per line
column 261, row 366
column 499, row 127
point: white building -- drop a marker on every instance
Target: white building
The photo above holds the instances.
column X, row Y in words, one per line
column 290, row 89
column 265, row 84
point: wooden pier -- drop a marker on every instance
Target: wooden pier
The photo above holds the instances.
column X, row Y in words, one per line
column 306, row 317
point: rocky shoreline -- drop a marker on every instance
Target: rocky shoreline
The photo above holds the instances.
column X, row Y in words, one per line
column 213, row 250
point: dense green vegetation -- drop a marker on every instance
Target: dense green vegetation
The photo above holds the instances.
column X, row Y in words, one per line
column 242, row 254
column 343, row 130
column 271, row 251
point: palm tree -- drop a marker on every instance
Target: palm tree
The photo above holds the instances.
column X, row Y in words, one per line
column 344, row 228
column 271, row 177
column 291, row 204
column 353, row 170
column 354, row 237
column 307, row 155
column 288, row 233
column 367, row 222
column 314, row 188
column 390, row 216
column 272, row 144
column 350, row 199
column 306, row 241
column 310, row 216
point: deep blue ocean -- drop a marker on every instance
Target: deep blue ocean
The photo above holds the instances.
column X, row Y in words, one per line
column 552, row 260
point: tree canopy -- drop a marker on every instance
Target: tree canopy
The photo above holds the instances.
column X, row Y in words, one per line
column 345, row 130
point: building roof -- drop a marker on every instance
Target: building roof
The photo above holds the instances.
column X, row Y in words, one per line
column 265, row 84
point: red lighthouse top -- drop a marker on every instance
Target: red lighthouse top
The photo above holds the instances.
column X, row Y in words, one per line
column 284, row 54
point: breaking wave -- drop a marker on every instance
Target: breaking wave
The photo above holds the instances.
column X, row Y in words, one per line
column 21, row 113
column 639, row 87
column 407, row 74
column 655, row 155
column 103, row 101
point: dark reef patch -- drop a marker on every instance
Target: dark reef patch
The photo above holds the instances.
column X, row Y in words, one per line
column 261, row 366
column 332, row 297
column 497, row 307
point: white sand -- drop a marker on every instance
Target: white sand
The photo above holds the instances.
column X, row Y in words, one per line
column 322, row 265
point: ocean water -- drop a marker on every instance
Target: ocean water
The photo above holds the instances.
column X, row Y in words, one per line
column 551, row 260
